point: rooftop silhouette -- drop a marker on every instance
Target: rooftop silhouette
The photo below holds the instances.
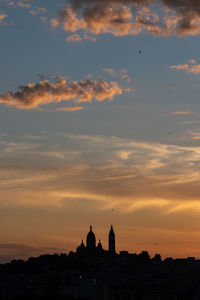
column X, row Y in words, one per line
column 92, row 272
column 92, row 249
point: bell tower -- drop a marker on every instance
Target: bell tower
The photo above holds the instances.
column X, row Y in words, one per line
column 111, row 246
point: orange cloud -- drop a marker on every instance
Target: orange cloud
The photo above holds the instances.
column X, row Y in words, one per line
column 182, row 113
column 44, row 19
column 89, row 38
column 123, row 74
column 74, row 38
column 22, row 4
column 130, row 17
column 70, row 108
column 126, row 77
column 110, row 71
column 114, row 20
column 190, row 67
column 35, row 94
column 144, row 187
column 2, row 18
column 131, row 175
column 37, row 11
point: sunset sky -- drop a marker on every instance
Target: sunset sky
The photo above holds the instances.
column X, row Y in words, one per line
column 99, row 124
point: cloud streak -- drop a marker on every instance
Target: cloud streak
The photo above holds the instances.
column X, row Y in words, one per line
column 38, row 10
column 130, row 17
column 23, row 4
column 145, row 185
column 72, row 108
column 190, row 67
column 130, row 175
column 182, row 113
column 34, row 95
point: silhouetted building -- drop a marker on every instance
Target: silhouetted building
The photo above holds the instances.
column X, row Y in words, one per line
column 92, row 249
column 111, row 246
column 91, row 239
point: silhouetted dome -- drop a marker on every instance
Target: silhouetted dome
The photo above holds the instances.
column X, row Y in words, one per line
column 91, row 240
column 100, row 245
column 82, row 245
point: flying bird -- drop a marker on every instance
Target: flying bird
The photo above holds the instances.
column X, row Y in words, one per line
column 140, row 51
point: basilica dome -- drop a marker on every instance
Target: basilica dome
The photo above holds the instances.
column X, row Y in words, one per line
column 91, row 239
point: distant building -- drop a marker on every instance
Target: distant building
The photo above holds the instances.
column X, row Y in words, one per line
column 111, row 245
column 92, row 249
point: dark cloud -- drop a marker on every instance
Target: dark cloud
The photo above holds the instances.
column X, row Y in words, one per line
column 130, row 17
column 41, row 76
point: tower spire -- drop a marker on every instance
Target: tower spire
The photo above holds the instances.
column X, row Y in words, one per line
column 111, row 244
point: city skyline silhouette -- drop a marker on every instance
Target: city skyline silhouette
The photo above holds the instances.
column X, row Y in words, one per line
column 92, row 272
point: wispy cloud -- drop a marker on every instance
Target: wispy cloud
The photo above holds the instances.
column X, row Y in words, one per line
column 34, row 137
column 44, row 19
column 24, row 4
column 126, row 77
column 191, row 122
column 30, row 5
column 190, row 67
column 193, row 135
column 74, row 38
column 123, row 74
column 38, row 10
column 8, row 2
column 141, row 183
column 77, row 38
column 129, row 175
column 110, row 71
column 72, row 108
column 182, row 113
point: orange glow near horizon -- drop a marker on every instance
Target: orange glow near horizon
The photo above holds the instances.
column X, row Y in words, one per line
column 150, row 196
